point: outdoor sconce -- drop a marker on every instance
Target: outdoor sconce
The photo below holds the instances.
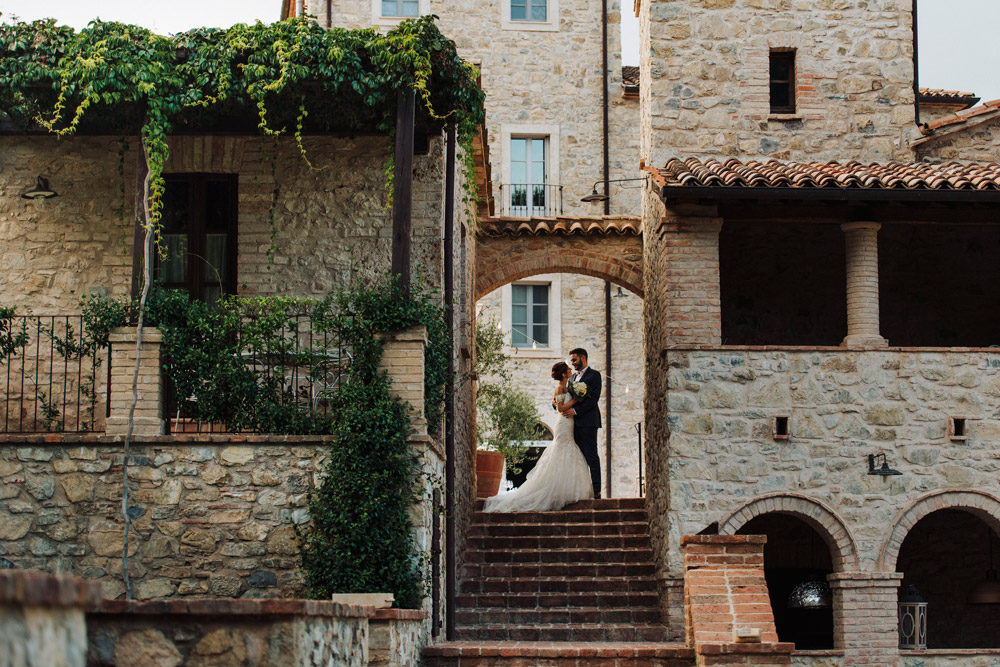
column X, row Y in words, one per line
column 883, row 470
column 912, row 620
column 40, row 191
column 596, row 196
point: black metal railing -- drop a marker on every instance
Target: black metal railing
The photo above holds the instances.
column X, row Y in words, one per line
column 525, row 200
column 53, row 375
column 638, row 431
column 295, row 366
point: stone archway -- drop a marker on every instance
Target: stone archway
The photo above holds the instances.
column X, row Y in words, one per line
column 819, row 517
column 510, row 249
column 982, row 505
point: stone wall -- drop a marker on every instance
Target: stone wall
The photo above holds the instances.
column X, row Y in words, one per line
column 332, row 221
column 238, row 633
column 842, row 405
column 538, row 78
column 705, row 79
column 977, row 143
column 582, row 325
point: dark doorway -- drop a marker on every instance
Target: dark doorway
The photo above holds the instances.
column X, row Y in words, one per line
column 945, row 555
column 794, row 553
column 782, row 284
column 199, row 235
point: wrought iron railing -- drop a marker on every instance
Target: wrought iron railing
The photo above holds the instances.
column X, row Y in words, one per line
column 53, row 375
column 530, row 199
column 638, row 431
column 298, row 366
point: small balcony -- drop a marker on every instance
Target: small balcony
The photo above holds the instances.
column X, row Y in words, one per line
column 525, row 200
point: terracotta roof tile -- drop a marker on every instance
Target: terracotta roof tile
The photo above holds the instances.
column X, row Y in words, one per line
column 630, row 81
column 937, row 95
column 603, row 225
column 693, row 172
column 976, row 113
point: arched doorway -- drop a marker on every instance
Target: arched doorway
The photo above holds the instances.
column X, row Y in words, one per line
column 946, row 555
column 795, row 553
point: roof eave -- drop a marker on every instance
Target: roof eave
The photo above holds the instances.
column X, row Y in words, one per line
column 670, row 193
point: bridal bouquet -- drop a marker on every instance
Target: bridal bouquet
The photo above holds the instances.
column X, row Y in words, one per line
column 577, row 389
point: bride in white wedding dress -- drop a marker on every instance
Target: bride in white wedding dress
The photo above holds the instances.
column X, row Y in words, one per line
column 561, row 475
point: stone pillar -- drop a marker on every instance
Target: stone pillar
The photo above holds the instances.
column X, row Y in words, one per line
column 726, row 604
column 403, row 360
column 42, row 618
column 862, row 285
column 672, row 605
column 148, row 418
column 690, row 304
column 865, row 617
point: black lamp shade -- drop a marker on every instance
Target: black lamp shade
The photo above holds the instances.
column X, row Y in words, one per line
column 41, row 190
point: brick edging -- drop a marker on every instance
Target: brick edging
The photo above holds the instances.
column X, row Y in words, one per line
column 219, row 607
column 31, row 588
column 178, row 439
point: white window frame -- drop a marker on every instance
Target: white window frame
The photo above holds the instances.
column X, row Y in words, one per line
column 550, row 132
column 392, row 21
column 550, row 24
column 554, row 350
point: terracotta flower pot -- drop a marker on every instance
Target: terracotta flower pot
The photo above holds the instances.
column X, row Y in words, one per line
column 489, row 471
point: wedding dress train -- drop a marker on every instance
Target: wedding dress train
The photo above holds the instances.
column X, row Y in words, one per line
column 560, row 476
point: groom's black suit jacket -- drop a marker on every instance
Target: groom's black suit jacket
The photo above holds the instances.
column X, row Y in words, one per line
column 588, row 413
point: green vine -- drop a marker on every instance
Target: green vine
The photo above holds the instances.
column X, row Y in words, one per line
column 293, row 74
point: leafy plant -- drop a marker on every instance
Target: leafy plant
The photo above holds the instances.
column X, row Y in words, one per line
column 292, row 76
column 506, row 415
column 12, row 337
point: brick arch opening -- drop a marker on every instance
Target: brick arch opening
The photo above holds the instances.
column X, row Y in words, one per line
column 843, row 552
column 982, row 505
column 516, row 248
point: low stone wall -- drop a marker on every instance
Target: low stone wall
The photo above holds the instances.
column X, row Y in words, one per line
column 234, row 633
column 42, row 619
column 951, row 658
column 396, row 637
column 817, row 659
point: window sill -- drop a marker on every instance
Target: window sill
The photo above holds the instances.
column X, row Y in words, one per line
column 784, row 116
column 530, row 26
column 529, row 353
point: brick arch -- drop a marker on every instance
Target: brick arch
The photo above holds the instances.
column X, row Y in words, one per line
column 982, row 505
column 512, row 249
column 843, row 552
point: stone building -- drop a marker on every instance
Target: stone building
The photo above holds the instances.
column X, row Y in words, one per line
column 807, row 322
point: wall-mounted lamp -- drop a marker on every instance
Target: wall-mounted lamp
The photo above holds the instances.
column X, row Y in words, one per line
column 620, row 293
column 883, row 470
column 596, row 196
column 41, row 190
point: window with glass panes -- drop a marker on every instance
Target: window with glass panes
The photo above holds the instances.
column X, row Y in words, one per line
column 400, row 8
column 528, row 10
column 782, row 72
column 528, row 175
column 199, row 235
column 529, row 316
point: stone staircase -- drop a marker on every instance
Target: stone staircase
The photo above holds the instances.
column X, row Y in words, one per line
column 572, row 587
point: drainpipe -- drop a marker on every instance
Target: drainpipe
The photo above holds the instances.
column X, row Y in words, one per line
column 607, row 211
column 329, row 14
column 449, row 390
column 916, row 71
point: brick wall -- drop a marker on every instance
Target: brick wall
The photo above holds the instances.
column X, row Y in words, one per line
column 688, row 247
column 727, row 611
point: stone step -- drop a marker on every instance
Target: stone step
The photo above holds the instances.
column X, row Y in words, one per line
column 488, row 616
column 599, row 504
column 564, row 632
column 482, row 570
column 560, row 600
column 562, row 516
column 559, row 584
column 557, row 529
column 557, row 654
column 567, row 556
column 553, row 542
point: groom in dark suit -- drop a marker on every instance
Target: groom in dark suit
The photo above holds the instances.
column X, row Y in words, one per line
column 588, row 415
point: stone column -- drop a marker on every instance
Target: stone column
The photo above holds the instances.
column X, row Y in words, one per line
column 148, row 417
column 865, row 617
column 689, row 298
column 862, row 285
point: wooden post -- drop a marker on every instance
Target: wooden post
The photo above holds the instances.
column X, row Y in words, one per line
column 402, row 195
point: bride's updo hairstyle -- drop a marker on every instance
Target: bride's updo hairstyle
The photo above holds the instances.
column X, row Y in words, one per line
column 558, row 370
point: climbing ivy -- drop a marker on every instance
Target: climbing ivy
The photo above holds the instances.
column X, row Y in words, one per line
column 288, row 77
